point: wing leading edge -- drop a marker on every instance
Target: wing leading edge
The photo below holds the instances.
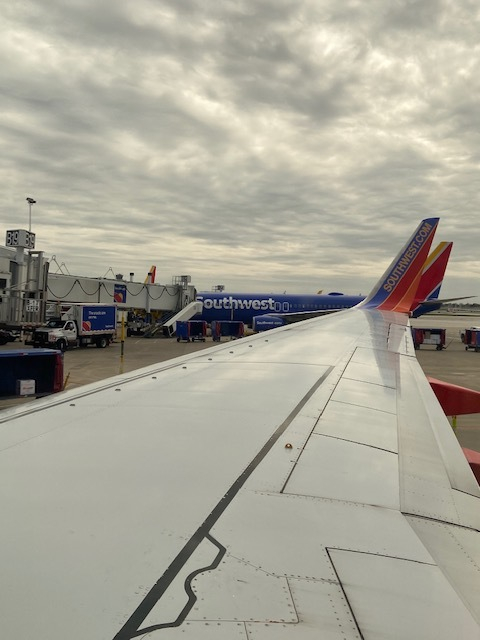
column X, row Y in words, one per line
column 298, row 483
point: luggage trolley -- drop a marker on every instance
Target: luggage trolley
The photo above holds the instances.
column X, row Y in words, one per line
column 471, row 338
column 434, row 337
column 227, row 329
column 191, row 330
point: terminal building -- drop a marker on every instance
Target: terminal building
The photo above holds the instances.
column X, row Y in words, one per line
column 29, row 291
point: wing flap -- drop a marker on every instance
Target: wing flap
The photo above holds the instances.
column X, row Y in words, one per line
column 431, row 462
column 342, row 420
column 318, row 473
column 444, row 543
column 374, row 585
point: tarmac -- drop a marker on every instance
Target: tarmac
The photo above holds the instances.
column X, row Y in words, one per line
column 453, row 364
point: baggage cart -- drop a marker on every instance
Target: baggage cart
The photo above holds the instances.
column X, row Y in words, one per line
column 227, row 329
column 191, row 330
column 471, row 338
column 435, row 337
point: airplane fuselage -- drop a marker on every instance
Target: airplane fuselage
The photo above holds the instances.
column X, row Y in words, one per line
column 244, row 307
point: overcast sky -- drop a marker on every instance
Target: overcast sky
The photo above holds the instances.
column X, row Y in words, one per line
column 267, row 145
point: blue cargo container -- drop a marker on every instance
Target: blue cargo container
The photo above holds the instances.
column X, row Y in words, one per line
column 191, row 330
column 227, row 329
column 95, row 318
column 35, row 372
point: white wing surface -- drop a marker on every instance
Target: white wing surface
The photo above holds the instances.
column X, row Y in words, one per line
column 299, row 484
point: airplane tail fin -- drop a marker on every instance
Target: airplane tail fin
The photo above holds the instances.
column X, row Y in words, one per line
column 397, row 288
column 432, row 274
column 150, row 279
column 432, row 277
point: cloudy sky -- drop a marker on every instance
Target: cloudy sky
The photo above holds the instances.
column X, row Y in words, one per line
column 267, row 145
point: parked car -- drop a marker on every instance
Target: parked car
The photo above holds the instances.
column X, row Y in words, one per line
column 6, row 336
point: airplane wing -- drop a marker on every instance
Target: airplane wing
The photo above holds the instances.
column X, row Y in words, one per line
column 299, row 484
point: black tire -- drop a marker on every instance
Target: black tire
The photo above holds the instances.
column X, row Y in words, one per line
column 61, row 345
column 102, row 342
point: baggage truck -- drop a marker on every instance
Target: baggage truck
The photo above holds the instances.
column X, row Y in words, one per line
column 79, row 325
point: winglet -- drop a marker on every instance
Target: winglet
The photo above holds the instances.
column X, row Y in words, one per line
column 397, row 288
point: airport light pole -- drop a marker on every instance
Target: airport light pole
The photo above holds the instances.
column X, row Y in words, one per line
column 30, row 202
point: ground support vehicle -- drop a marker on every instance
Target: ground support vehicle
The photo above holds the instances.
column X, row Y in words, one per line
column 227, row 329
column 191, row 330
column 7, row 336
column 136, row 324
column 30, row 372
column 80, row 325
column 471, row 338
column 435, row 337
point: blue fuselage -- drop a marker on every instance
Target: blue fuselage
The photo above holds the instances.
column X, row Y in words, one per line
column 245, row 306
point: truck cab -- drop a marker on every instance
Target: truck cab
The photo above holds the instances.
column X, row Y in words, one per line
column 57, row 333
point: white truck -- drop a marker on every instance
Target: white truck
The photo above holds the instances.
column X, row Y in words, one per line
column 78, row 326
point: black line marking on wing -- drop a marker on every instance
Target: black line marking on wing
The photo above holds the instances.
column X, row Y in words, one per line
column 131, row 626
column 192, row 598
